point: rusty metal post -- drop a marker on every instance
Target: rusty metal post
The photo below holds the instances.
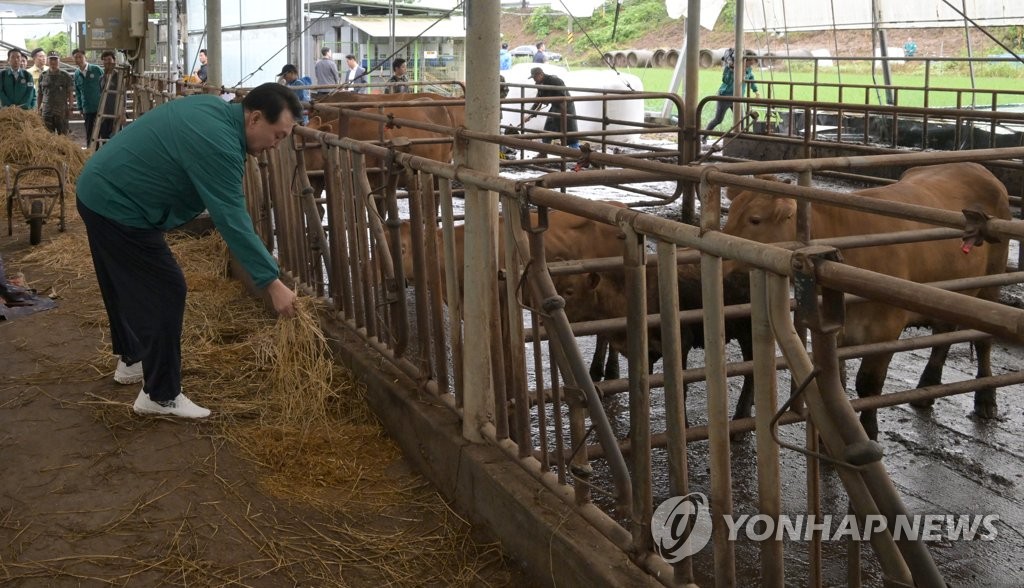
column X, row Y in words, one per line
column 568, row 359
column 347, row 168
column 418, row 236
column 501, row 396
column 481, row 306
column 688, row 115
column 739, row 109
column 266, row 214
column 364, row 266
column 860, row 494
column 451, row 276
column 803, row 210
column 514, row 243
column 285, row 206
column 396, row 327
column 814, row 568
column 769, row 485
column 556, row 406
column 358, row 301
column 675, row 396
column 439, row 338
column 387, row 260
column 340, row 222
column 316, row 238
column 717, row 391
column 579, row 465
column 635, row 270
column 854, row 447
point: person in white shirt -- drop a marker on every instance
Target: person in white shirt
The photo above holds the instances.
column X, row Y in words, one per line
column 356, row 75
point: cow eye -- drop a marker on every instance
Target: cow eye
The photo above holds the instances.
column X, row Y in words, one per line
column 755, row 220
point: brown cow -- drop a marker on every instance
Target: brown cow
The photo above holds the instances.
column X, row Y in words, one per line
column 599, row 296
column 567, row 237
column 361, row 129
column 956, row 187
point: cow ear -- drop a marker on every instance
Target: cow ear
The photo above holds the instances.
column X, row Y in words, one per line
column 593, row 279
column 314, row 122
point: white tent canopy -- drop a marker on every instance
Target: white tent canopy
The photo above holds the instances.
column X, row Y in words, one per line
column 709, row 11
column 74, row 10
column 810, row 15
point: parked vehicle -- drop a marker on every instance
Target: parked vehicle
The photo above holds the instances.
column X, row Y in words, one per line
column 529, row 50
column 523, row 51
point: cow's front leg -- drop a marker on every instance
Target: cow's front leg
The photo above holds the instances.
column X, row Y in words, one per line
column 870, row 380
column 985, row 399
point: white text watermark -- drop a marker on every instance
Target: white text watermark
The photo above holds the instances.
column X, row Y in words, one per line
column 681, row 526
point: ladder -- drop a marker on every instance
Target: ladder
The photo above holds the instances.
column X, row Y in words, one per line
column 112, row 98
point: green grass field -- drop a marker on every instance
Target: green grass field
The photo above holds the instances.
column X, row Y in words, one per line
column 796, row 86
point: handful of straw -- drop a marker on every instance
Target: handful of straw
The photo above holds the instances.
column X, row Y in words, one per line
column 302, row 369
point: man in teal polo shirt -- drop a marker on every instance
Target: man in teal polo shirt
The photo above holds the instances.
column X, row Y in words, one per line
column 88, row 86
column 158, row 173
column 17, row 88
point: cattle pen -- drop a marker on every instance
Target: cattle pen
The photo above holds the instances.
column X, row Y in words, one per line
column 607, row 463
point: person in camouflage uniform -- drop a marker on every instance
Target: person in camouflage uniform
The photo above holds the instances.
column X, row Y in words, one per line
column 55, row 91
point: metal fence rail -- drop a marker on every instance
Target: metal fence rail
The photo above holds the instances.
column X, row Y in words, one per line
column 352, row 256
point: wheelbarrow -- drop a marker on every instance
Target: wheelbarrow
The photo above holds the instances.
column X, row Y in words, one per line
column 35, row 200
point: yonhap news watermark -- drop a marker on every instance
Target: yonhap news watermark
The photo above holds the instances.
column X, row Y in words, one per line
column 681, row 526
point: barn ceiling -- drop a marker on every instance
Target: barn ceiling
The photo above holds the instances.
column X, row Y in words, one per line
column 796, row 15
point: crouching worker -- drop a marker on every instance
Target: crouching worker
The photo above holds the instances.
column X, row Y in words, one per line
column 555, row 87
column 158, row 173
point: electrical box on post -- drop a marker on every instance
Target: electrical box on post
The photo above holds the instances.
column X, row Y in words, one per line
column 106, row 25
column 137, row 18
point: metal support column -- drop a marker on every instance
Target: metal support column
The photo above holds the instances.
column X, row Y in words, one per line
column 483, row 33
column 214, row 54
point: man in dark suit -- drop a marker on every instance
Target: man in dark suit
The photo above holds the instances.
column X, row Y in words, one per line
column 356, row 75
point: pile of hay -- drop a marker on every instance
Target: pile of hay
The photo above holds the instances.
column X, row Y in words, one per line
column 286, row 406
column 25, row 141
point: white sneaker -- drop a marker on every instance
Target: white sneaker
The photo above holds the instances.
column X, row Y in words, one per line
column 128, row 374
column 181, row 406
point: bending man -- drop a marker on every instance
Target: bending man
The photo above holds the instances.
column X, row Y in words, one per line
column 556, row 87
column 158, row 173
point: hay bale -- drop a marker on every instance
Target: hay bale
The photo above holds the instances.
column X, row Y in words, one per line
column 25, row 141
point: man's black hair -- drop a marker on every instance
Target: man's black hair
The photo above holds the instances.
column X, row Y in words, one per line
column 77, row 51
column 324, row 51
column 36, row 51
column 397, row 63
column 203, row 51
column 271, row 99
column 108, row 52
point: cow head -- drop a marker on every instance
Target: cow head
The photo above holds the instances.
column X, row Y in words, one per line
column 761, row 217
column 591, row 296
